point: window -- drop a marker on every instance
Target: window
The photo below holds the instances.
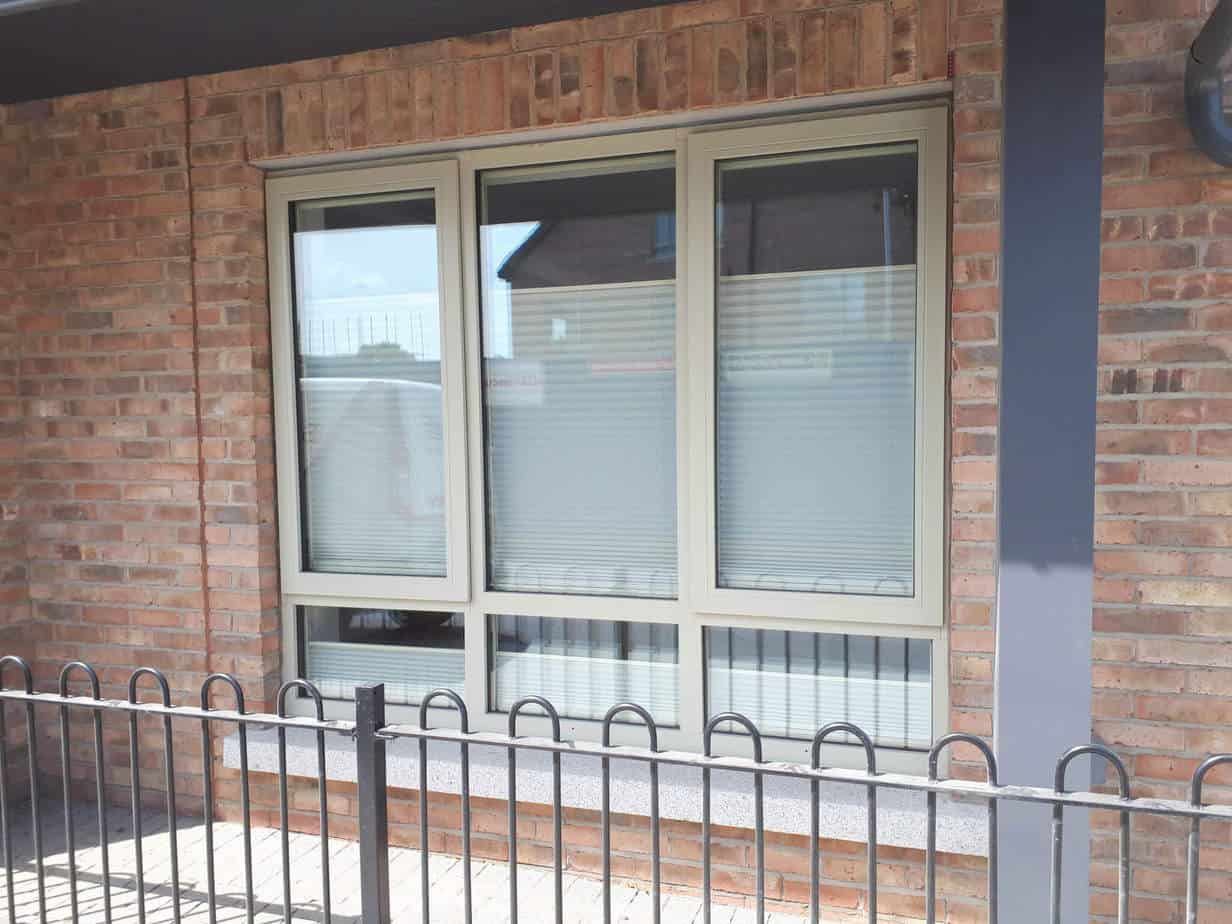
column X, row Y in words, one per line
column 579, row 378
column 414, row 653
column 586, row 666
column 691, row 455
column 792, row 683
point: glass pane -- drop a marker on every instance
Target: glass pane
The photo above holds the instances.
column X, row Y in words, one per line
column 816, row 302
column 792, row 683
column 368, row 345
column 579, row 330
column 586, row 666
column 412, row 653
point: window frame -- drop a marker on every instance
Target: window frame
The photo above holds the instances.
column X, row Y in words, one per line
column 282, row 192
column 485, row 602
column 699, row 603
column 928, row 128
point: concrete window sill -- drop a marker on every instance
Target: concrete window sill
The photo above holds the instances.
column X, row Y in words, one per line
column 961, row 826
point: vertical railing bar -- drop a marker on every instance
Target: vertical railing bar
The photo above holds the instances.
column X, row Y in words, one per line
column 1058, row 831
column 870, row 760
column 656, row 855
column 513, row 834
column 1054, row 878
column 168, row 751
column 6, row 834
column 872, row 853
column 814, row 850
column 135, row 770
column 323, row 794
column 138, row 842
column 207, row 757
column 467, row 886
column 207, row 799
column 1195, row 834
column 557, row 838
column 66, row 771
column 656, row 883
column 69, row 842
column 36, row 812
column 100, row 794
column 134, row 759
column 283, row 825
column 993, row 861
column 605, row 825
column 246, row 815
column 759, row 826
column 464, row 726
column 706, row 912
column 558, row 850
column 425, row 879
column 66, row 779
column 759, row 835
column 322, row 789
column 930, row 858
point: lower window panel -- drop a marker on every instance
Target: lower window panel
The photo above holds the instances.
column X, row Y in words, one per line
column 585, row 666
column 411, row 652
column 790, row 684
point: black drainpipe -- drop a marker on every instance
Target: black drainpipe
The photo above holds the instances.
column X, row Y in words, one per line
column 1204, row 86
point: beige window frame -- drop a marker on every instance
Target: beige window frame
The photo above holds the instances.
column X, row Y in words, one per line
column 700, row 603
column 928, row 129
column 441, row 179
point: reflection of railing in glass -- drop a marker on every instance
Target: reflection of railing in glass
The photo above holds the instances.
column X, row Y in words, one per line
column 792, row 682
column 585, row 665
column 374, row 487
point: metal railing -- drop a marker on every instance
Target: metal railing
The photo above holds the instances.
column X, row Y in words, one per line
column 371, row 733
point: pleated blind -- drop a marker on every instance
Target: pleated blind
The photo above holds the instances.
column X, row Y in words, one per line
column 816, row 423
column 584, row 667
column 579, row 378
column 582, row 459
column 793, row 683
column 368, row 348
column 373, row 490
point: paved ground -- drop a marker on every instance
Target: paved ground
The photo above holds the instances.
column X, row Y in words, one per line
column 490, row 880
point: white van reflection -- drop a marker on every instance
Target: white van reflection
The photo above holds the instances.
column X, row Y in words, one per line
column 374, row 479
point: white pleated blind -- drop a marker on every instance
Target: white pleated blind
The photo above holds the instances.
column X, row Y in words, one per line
column 581, row 443
column 584, row 667
column 409, row 673
column 792, row 684
column 374, row 481
column 816, row 430
column 370, row 404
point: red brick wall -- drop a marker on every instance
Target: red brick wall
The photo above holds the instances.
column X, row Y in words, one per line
column 1163, row 614
column 134, row 356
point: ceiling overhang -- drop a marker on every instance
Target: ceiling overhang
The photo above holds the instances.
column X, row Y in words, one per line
column 55, row 47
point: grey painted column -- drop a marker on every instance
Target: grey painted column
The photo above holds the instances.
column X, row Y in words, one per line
column 1053, row 146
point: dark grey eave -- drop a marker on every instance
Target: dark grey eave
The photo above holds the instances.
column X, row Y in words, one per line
column 54, row 47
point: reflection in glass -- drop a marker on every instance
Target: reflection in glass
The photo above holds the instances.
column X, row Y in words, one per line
column 579, row 384
column 368, row 353
column 816, row 306
column 412, row 653
column 585, row 666
column 793, row 683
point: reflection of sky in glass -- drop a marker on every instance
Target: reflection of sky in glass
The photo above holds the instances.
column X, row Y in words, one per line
column 366, row 286
column 497, row 243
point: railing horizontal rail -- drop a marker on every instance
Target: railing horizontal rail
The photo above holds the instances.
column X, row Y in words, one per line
column 971, row 788
column 340, row 726
column 370, row 734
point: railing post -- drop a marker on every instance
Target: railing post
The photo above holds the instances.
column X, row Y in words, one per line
column 373, row 813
